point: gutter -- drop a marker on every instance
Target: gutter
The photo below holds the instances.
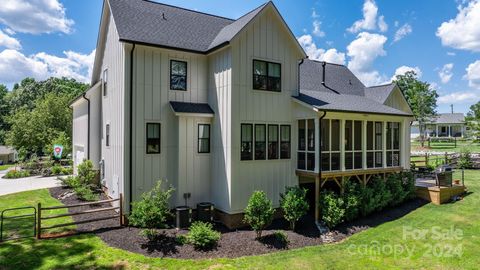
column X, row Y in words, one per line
column 84, row 96
column 131, row 129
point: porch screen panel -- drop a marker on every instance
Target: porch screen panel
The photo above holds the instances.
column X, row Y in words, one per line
column 378, row 157
column 325, row 144
column 335, row 145
column 273, row 142
column 348, row 144
column 393, row 144
column 301, row 156
column 306, row 145
column 357, row 143
column 370, row 141
column 285, row 138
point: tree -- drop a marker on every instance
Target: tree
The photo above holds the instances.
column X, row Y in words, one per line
column 32, row 130
column 294, row 204
column 421, row 97
column 473, row 120
column 4, row 111
column 259, row 212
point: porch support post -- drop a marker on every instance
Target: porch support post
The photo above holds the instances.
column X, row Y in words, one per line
column 317, row 197
column 436, row 132
column 449, row 131
column 342, row 145
column 317, row 143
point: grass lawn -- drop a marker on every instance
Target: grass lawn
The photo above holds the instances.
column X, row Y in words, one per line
column 4, row 167
column 372, row 248
column 448, row 147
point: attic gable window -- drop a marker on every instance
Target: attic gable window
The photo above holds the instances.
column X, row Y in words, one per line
column 105, row 80
column 267, row 76
column 178, row 75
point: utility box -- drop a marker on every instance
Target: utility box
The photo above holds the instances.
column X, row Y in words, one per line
column 183, row 217
column 205, row 211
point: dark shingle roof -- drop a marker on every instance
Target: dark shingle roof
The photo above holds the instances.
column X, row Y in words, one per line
column 174, row 27
column 450, row 118
column 379, row 93
column 337, row 77
column 346, row 103
column 342, row 90
column 186, row 107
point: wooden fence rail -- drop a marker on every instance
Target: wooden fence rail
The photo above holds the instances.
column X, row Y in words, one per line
column 426, row 159
column 41, row 209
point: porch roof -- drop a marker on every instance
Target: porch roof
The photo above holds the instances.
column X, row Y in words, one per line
column 191, row 108
column 346, row 103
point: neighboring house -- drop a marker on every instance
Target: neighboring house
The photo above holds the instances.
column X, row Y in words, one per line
column 221, row 108
column 442, row 125
column 7, row 154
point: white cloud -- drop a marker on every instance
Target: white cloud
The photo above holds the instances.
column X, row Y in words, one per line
column 402, row 32
column 314, row 14
column 396, row 23
column 369, row 21
column 9, row 31
column 473, row 74
column 404, row 69
column 462, row 32
column 9, row 42
column 445, row 73
column 451, row 54
column 362, row 52
column 458, row 97
column 35, row 16
column 315, row 53
column 14, row 66
column 382, row 25
column 316, row 29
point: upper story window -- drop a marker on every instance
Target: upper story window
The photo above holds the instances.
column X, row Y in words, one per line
column 153, row 138
column 267, row 76
column 203, row 138
column 178, row 75
column 105, row 80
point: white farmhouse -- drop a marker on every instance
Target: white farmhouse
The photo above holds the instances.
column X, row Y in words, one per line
column 221, row 108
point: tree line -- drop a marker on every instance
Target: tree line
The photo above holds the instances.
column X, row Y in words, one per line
column 36, row 114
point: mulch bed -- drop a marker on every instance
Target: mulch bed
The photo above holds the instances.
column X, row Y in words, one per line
column 233, row 243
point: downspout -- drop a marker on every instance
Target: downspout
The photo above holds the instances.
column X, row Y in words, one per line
column 324, row 64
column 88, row 124
column 298, row 75
column 131, row 132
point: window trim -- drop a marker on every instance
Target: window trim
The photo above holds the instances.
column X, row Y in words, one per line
column 267, row 76
column 170, row 75
column 289, row 141
column 159, row 138
column 209, row 138
column 305, row 151
column 251, row 141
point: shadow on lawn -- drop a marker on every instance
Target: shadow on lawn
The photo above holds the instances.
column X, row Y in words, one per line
column 166, row 244
column 65, row 253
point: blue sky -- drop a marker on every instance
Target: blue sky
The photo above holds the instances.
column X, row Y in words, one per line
column 440, row 39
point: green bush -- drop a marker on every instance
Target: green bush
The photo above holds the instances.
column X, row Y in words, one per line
column 57, row 170
column 332, row 208
column 352, row 198
column 14, row 174
column 394, row 184
column 85, row 193
column 465, row 159
column 153, row 210
column 282, row 237
column 67, row 170
column 408, row 184
column 86, row 174
column 259, row 212
column 202, row 235
column 150, row 234
column 71, row 181
column 294, row 204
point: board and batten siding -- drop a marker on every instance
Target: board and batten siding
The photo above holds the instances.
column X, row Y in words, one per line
column 177, row 163
column 113, row 111
column 265, row 38
column 397, row 101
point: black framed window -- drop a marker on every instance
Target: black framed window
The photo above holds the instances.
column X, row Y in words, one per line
column 267, row 76
column 203, row 138
column 107, row 135
column 153, row 138
column 246, row 141
column 104, row 82
column 306, row 145
column 272, row 141
column 178, row 75
column 260, row 141
column 285, row 141
column 393, row 144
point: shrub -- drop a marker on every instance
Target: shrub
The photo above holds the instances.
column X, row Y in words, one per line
column 57, row 170
column 408, row 184
column 71, row 181
column 14, row 174
column 152, row 211
column 259, row 212
column 352, row 199
column 86, row 174
column 150, row 234
column 85, row 193
column 332, row 208
column 465, row 159
column 67, row 170
column 281, row 237
column 202, row 235
column 294, row 204
column 395, row 187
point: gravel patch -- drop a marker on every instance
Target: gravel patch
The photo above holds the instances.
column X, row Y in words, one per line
column 233, row 243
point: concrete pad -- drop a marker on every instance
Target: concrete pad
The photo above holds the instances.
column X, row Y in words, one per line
column 9, row 186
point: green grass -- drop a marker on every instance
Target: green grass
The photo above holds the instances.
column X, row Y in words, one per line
column 4, row 167
column 89, row 252
column 448, row 147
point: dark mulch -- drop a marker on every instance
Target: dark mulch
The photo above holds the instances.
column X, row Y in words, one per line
column 233, row 243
